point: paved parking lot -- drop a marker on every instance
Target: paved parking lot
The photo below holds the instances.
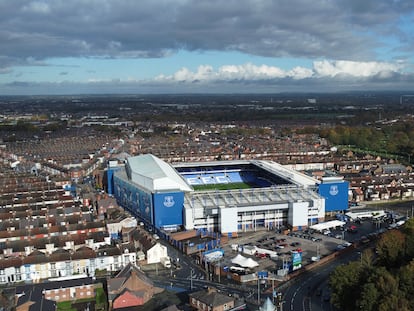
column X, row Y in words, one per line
column 311, row 245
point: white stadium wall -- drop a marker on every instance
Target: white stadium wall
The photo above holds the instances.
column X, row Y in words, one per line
column 228, row 219
column 298, row 215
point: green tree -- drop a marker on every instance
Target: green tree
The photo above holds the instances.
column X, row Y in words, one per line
column 369, row 297
column 406, row 275
column 408, row 230
column 391, row 248
column 345, row 285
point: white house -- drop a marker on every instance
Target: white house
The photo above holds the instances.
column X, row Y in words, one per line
column 155, row 253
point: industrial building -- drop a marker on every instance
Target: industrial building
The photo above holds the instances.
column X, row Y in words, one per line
column 223, row 196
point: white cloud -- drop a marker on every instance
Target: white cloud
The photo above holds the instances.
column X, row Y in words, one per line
column 251, row 72
column 354, row 69
column 299, row 73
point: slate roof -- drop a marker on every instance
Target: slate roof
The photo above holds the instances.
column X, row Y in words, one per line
column 211, row 297
column 84, row 252
column 31, row 295
column 35, row 257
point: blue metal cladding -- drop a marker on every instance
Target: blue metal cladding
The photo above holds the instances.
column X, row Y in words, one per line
column 133, row 199
column 168, row 209
column 336, row 195
column 110, row 177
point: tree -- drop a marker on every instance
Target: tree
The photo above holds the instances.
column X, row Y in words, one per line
column 391, row 248
column 345, row 285
column 408, row 229
column 369, row 297
column 406, row 275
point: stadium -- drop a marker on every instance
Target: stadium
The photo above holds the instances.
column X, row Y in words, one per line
column 222, row 196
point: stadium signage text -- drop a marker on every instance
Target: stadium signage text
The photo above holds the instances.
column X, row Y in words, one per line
column 208, row 180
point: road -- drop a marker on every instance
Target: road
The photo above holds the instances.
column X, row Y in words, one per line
column 310, row 291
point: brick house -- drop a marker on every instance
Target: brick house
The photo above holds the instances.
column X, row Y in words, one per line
column 211, row 300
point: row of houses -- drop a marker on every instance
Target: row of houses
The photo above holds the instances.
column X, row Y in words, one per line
column 36, row 264
column 47, row 233
column 129, row 288
column 374, row 182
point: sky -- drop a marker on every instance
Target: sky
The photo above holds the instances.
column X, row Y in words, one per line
column 53, row 47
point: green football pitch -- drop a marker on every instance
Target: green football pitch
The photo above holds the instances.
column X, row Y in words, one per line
column 229, row 186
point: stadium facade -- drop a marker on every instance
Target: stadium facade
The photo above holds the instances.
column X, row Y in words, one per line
column 223, row 196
